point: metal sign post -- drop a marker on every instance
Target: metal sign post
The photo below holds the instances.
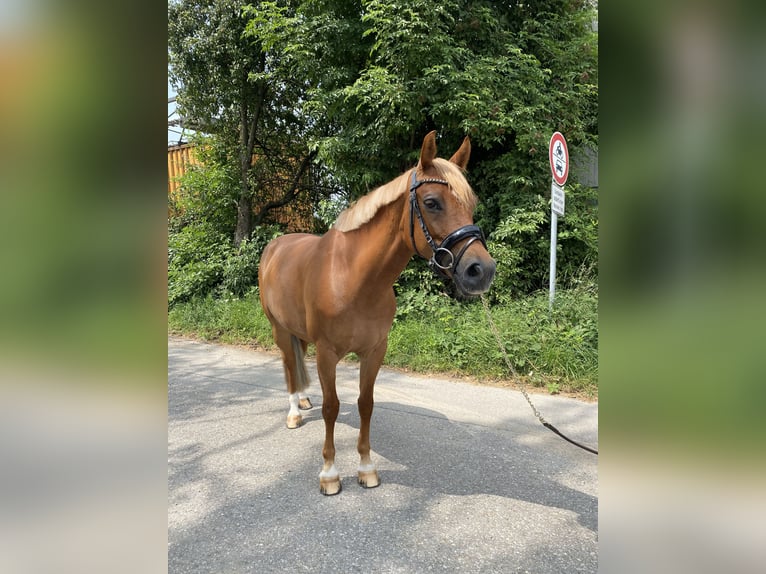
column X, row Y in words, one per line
column 552, row 276
column 558, row 155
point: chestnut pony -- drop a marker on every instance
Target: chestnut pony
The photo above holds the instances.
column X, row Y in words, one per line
column 335, row 290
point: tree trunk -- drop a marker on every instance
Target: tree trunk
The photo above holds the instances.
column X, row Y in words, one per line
column 248, row 125
column 245, row 202
column 244, row 216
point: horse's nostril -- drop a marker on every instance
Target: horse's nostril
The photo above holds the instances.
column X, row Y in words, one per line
column 475, row 270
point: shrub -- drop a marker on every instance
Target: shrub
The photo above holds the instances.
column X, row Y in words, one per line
column 521, row 246
column 208, row 191
column 196, row 257
column 557, row 348
column 240, row 270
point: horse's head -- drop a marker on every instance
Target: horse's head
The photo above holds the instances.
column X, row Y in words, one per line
column 440, row 219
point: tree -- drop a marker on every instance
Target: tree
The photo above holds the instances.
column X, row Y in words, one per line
column 229, row 85
column 382, row 73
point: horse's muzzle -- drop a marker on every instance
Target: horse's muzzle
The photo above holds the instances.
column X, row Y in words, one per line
column 474, row 275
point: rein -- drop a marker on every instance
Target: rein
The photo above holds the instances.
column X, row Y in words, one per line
column 508, row 362
column 442, row 258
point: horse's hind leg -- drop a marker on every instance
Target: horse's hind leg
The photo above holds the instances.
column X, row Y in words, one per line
column 296, row 376
column 304, row 403
column 370, row 365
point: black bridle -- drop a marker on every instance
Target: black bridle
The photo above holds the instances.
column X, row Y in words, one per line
column 442, row 259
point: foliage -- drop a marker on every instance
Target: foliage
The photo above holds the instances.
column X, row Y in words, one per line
column 196, row 257
column 202, row 261
column 328, row 209
column 202, row 258
column 209, row 62
column 240, row 270
column 229, row 320
column 507, row 75
column 208, row 190
column 521, row 245
column 559, row 347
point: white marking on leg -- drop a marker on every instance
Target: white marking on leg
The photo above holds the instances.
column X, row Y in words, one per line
column 331, row 472
column 303, row 395
column 293, row 398
column 367, row 467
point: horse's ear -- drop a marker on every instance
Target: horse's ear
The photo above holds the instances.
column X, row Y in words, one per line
column 463, row 154
column 428, row 151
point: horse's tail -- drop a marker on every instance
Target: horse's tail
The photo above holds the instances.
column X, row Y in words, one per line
column 301, row 374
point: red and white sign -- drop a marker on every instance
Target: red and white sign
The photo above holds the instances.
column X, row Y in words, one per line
column 558, row 154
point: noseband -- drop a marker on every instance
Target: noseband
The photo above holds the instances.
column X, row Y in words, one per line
column 442, row 259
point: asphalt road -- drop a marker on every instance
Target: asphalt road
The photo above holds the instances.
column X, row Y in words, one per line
column 470, row 480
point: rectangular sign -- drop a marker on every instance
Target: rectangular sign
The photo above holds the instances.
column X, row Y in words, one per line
column 557, row 199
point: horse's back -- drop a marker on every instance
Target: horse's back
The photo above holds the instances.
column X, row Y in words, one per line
column 285, row 248
column 297, row 260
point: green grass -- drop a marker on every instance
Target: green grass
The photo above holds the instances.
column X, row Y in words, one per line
column 555, row 352
column 224, row 320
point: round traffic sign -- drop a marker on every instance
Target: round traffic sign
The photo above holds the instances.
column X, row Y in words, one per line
column 558, row 154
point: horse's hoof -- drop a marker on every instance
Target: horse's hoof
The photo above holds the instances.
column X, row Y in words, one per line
column 329, row 486
column 305, row 404
column 368, row 478
column 294, row 421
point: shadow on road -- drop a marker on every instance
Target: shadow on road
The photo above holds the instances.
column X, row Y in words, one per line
column 470, row 459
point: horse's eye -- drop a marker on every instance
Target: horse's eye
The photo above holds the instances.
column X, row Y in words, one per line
column 432, row 204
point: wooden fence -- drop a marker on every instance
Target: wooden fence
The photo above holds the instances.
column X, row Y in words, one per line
column 179, row 157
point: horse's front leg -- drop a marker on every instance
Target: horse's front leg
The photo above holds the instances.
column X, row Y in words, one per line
column 327, row 360
column 370, row 365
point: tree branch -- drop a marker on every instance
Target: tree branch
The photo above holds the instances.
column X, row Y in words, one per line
column 290, row 193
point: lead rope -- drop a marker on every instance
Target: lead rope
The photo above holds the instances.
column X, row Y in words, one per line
column 537, row 414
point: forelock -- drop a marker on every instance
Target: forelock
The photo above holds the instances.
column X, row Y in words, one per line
column 457, row 182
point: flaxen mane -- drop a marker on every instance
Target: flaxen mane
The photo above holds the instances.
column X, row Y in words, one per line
column 365, row 208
